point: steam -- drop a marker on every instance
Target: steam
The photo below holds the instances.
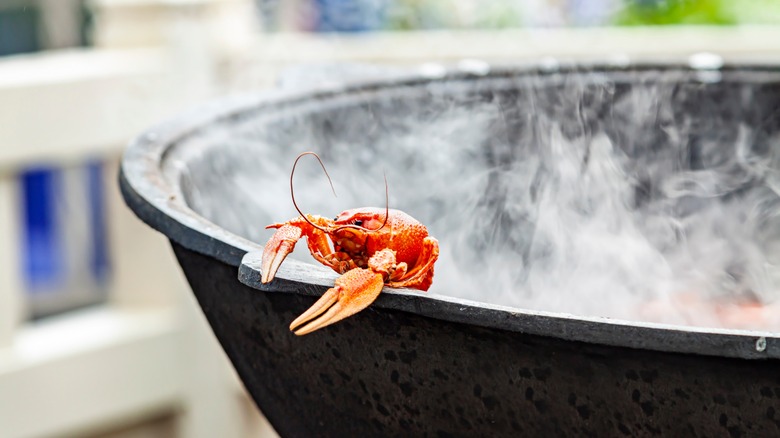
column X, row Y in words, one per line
column 575, row 194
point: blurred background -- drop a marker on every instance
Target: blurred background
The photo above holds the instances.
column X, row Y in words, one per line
column 99, row 335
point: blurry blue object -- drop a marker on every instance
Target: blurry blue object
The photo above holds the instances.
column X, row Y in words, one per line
column 593, row 12
column 43, row 258
column 350, row 15
column 65, row 253
column 18, row 29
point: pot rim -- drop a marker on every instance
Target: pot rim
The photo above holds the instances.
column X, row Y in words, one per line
column 156, row 202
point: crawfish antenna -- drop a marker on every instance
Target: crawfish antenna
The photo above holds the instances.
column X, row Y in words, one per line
column 387, row 203
column 292, row 191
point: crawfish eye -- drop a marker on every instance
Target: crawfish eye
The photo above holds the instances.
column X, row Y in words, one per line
column 335, row 219
column 358, row 222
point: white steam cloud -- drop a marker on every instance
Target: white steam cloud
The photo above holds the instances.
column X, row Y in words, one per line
column 575, row 194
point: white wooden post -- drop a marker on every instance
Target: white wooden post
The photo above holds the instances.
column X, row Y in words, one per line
column 196, row 35
column 10, row 254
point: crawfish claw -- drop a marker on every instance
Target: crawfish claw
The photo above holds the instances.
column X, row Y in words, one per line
column 278, row 247
column 353, row 292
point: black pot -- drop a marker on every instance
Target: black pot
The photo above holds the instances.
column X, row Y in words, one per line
column 428, row 364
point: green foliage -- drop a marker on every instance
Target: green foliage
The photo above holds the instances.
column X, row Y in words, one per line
column 661, row 12
column 756, row 11
column 496, row 14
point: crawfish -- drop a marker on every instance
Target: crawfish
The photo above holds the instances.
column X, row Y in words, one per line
column 370, row 248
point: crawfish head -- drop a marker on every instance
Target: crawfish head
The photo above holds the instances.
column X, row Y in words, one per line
column 357, row 232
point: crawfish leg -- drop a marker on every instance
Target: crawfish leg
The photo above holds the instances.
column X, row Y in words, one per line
column 320, row 248
column 420, row 274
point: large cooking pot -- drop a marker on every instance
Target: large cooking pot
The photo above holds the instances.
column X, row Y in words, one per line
column 497, row 347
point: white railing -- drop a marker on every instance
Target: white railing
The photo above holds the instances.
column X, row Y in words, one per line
column 149, row 351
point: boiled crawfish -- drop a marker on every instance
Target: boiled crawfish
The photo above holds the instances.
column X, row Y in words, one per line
column 371, row 248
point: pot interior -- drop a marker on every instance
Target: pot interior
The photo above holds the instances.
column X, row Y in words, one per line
column 647, row 193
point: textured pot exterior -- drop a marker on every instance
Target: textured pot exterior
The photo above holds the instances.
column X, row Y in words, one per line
column 387, row 372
